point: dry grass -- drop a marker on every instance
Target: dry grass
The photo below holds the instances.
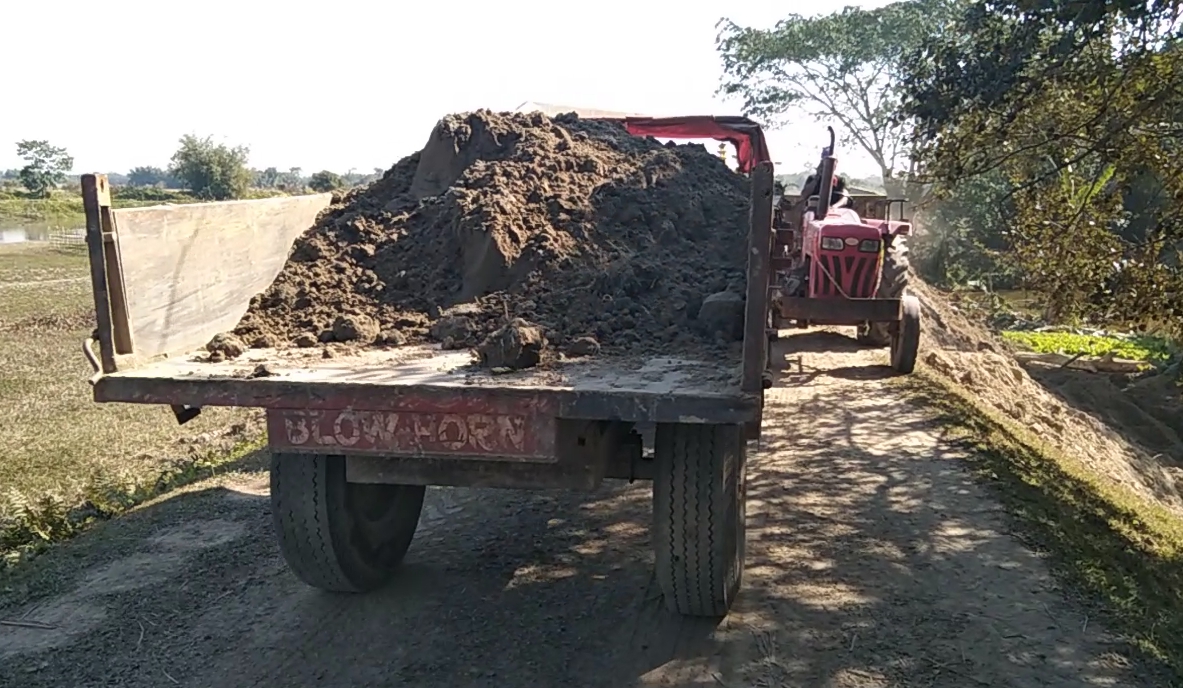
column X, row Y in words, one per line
column 1121, row 548
column 65, row 460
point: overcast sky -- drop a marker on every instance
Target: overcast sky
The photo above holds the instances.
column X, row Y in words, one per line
column 352, row 83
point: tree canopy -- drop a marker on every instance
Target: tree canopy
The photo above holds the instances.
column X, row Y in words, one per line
column 1048, row 131
column 47, row 166
column 211, row 170
column 325, row 181
column 148, row 176
column 1077, row 104
column 843, row 68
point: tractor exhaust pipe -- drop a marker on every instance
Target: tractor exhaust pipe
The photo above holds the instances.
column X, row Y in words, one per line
column 826, row 187
column 827, row 181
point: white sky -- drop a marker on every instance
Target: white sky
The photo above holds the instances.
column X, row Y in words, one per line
column 353, row 83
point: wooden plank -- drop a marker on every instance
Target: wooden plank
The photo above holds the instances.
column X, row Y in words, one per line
column 626, row 406
column 96, row 195
column 116, row 289
column 190, row 271
column 656, row 389
column 1092, row 364
column 759, row 264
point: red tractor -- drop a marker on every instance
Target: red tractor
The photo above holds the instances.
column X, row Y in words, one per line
column 838, row 261
column 832, row 259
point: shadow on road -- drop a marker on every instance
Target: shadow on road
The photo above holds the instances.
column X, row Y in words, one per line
column 873, row 560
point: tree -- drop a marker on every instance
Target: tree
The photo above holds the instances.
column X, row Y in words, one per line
column 213, row 171
column 325, row 181
column 147, row 176
column 267, row 179
column 47, row 166
column 966, row 235
column 1076, row 103
column 843, row 67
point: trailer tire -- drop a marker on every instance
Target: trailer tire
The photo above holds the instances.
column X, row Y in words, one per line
column 699, row 495
column 905, row 342
column 893, row 284
column 336, row 535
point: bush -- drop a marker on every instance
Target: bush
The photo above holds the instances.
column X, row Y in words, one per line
column 145, row 193
column 325, row 181
column 211, row 171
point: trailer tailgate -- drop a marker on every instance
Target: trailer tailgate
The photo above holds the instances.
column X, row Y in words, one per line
column 424, row 378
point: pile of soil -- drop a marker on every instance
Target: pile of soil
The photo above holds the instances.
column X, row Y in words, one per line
column 1128, row 430
column 518, row 234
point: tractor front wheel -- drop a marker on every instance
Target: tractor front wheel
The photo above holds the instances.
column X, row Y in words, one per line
column 905, row 340
column 893, row 284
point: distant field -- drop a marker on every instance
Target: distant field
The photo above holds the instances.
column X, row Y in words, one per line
column 65, row 207
column 61, row 208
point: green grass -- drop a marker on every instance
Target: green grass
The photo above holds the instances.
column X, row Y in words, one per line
column 1123, row 550
column 65, row 460
column 65, row 207
column 1153, row 349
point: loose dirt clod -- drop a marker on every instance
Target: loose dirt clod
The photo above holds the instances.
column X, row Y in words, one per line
column 584, row 346
column 453, row 331
column 392, row 338
column 224, row 346
column 262, row 370
column 573, row 225
column 723, row 313
column 355, row 328
column 517, row 345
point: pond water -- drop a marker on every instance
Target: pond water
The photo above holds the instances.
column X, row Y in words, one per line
column 24, row 231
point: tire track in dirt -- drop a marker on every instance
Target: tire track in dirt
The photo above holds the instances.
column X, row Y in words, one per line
column 42, row 283
column 873, row 560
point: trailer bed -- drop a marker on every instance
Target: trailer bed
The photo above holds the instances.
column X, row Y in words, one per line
column 658, row 389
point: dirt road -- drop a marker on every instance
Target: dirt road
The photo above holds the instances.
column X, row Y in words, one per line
column 873, row 560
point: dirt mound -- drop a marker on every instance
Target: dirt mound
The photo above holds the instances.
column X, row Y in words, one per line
column 946, row 327
column 1129, row 432
column 571, row 225
column 1105, row 432
column 1148, row 411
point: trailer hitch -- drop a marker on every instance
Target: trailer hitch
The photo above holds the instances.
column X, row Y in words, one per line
column 185, row 413
column 88, row 351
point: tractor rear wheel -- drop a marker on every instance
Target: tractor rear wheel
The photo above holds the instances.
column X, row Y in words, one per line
column 905, row 341
column 699, row 513
column 893, row 283
column 337, row 535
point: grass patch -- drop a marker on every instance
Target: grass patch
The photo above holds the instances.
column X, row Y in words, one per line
column 65, row 460
column 65, row 206
column 1118, row 547
column 58, row 207
column 32, row 524
column 1137, row 348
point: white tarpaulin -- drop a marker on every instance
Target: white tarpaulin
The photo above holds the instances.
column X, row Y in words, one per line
column 550, row 110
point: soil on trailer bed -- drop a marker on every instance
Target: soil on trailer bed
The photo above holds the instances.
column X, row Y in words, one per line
column 522, row 236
